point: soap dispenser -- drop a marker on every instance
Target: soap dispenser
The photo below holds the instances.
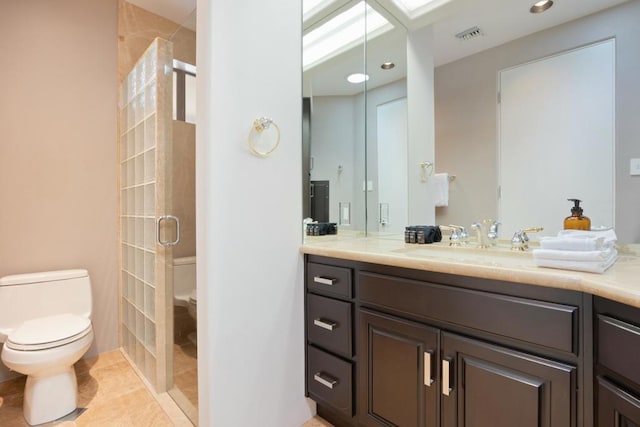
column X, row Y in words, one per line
column 577, row 221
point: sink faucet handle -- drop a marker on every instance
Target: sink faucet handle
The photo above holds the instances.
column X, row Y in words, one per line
column 458, row 234
column 520, row 240
column 533, row 230
column 492, row 234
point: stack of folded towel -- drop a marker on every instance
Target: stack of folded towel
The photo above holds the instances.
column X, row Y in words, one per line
column 591, row 251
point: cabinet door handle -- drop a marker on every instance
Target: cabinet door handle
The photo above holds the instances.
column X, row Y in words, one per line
column 324, row 280
column 325, row 324
column 447, row 371
column 324, row 380
column 428, row 380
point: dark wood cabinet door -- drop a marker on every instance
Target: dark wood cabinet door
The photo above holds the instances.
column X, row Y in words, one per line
column 484, row 385
column 616, row 407
column 398, row 372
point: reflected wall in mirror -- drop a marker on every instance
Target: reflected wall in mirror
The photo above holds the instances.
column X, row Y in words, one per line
column 465, row 88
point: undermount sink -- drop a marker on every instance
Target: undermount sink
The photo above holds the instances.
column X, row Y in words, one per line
column 501, row 254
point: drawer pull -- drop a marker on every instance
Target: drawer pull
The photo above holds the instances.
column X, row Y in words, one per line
column 324, row 280
column 325, row 381
column 446, row 376
column 325, row 324
column 427, row 369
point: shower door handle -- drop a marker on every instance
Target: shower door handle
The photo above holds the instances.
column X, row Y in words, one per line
column 166, row 218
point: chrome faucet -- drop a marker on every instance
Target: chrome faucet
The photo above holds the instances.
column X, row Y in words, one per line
column 458, row 235
column 520, row 240
column 486, row 232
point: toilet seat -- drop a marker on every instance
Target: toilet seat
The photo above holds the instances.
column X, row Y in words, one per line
column 48, row 332
column 193, row 297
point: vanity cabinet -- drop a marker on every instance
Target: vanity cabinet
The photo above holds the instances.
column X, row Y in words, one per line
column 617, row 364
column 410, row 372
column 399, row 377
column 434, row 349
column 329, row 313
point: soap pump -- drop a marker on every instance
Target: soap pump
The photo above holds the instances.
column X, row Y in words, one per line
column 577, row 221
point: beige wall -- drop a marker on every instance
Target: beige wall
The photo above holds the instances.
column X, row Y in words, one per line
column 466, row 132
column 137, row 28
column 184, row 186
column 58, row 188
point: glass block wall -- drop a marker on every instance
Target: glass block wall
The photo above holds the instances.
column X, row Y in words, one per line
column 144, row 128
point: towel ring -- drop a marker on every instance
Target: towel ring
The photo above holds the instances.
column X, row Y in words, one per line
column 426, row 170
column 260, row 125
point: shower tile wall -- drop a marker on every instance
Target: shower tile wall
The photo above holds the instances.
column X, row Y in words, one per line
column 143, row 127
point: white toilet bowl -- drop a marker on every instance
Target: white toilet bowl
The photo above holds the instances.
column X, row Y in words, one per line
column 46, row 328
column 193, row 312
column 193, row 305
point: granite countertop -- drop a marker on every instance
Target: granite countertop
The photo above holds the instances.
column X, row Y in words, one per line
column 620, row 283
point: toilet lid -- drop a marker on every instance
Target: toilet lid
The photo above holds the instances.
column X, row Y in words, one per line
column 193, row 296
column 48, row 332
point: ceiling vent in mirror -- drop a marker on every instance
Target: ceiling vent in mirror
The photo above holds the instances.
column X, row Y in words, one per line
column 470, row 33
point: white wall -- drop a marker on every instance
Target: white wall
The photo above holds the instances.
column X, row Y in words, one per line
column 250, row 285
column 421, row 129
column 332, row 144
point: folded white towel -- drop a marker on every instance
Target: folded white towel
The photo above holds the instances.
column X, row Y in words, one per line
column 608, row 235
column 588, row 266
column 600, row 255
column 441, row 189
column 579, row 240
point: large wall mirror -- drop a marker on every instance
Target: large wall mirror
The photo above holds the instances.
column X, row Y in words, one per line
column 366, row 143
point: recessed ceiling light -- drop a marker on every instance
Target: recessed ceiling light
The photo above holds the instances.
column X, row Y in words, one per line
column 356, row 78
column 541, row 6
column 387, row 65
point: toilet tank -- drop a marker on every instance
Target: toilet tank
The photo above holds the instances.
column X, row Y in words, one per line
column 33, row 295
column 184, row 279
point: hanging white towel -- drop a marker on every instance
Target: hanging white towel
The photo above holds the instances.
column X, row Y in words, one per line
column 441, row 189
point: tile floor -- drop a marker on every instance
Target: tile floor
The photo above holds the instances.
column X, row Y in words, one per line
column 107, row 385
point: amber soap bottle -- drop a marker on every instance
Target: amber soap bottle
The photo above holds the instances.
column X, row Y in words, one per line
column 576, row 221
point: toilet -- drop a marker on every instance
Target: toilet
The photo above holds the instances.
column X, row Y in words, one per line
column 193, row 312
column 184, row 288
column 45, row 325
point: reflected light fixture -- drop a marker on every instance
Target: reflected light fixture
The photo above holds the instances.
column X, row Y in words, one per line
column 387, row 65
column 415, row 8
column 342, row 33
column 356, row 78
column 541, row 6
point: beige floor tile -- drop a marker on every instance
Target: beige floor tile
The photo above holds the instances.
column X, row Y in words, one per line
column 137, row 408
column 12, row 386
column 108, row 388
column 107, row 383
column 317, row 422
column 98, row 362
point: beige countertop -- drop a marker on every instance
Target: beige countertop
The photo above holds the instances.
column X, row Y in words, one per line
column 620, row 283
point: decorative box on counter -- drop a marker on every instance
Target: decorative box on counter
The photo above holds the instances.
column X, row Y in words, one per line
column 322, row 228
column 422, row 234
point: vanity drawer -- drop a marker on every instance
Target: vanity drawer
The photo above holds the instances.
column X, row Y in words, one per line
column 330, row 380
column 330, row 280
column 618, row 347
column 537, row 322
column 329, row 324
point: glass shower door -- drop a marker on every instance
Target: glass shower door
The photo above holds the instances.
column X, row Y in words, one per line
column 147, row 229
